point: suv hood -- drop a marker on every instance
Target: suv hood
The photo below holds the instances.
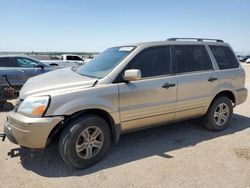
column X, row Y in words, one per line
column 56, row 82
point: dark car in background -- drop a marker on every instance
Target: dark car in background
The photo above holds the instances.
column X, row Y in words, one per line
column 20, row 68
column 244, row 59
column 240, row 57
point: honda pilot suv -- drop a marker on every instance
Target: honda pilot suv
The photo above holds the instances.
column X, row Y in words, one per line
column 127, row 88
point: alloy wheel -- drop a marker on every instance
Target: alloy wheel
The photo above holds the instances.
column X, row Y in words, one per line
column 89, row 142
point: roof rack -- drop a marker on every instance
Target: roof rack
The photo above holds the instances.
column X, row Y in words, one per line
column 197, row 39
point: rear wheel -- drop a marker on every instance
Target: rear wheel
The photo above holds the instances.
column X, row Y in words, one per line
column 85, row 141
column 219, row 114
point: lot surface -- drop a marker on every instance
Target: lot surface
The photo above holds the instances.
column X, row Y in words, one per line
column 178, row 155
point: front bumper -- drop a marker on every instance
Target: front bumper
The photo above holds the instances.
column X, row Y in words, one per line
column 29, row 132
column 241, row 96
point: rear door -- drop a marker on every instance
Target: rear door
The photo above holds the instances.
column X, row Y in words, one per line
column 196, row 78
column 9, row 67
column 151, row 100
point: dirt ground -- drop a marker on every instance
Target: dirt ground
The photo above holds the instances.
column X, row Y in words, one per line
column 177, row 155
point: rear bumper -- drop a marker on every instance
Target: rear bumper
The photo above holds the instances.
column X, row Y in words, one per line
column 29, row 132
column 241, row 95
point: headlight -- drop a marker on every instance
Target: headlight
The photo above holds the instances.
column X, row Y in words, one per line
column 34, row 106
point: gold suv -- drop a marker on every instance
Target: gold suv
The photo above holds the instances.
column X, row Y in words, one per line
column 127, row 88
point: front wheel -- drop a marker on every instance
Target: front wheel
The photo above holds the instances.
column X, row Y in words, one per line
column 85, row 141
column 219, row 114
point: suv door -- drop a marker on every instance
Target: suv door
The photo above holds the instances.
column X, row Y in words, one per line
column 151, row 100
column 196, row 78
column 9, row 67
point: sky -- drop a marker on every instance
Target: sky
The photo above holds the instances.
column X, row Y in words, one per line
column 94, row 25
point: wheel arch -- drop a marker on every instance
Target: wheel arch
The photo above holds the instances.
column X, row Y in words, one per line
column 115, row 129
column 226, row 93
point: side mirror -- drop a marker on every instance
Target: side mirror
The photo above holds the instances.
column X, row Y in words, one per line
column 132, row 75
column 40, row 66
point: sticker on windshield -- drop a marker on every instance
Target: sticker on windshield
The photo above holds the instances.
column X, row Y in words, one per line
column 126, row 49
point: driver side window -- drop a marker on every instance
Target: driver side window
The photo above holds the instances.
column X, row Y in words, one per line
column 153, row 62
column 26, row 63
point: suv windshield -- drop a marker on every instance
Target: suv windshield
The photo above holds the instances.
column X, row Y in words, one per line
column 104, row 63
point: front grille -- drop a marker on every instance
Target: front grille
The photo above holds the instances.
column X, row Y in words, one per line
column 18, row 104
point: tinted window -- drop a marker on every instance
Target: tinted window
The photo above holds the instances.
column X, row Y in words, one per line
column 74, row 58
column 28, row 63
column 224, row 57
column 7, row 62
column 153, row 62
column 191, row 58
column 68, row 57
column 77, row 58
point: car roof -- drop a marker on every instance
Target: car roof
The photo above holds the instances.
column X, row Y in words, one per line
column 25, row 56
column 159, row 43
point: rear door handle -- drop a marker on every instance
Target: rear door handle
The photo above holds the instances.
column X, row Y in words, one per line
column 211, row 79
column 20, row 71
column 168, row 85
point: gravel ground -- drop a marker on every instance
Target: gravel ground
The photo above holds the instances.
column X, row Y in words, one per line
column 178, row 155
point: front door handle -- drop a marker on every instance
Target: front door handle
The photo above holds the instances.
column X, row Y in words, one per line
column 20, row 71
column 168, row 85
column 211, row 79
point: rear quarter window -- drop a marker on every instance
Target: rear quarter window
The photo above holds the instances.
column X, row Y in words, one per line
column 69, row 57
column 225, row 57
column 7, row 62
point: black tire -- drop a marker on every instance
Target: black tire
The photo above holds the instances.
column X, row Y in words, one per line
column 71, row 135
column 209, row 121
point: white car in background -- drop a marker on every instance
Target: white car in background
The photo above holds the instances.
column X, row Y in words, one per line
column 248, row 60
column 67, row 60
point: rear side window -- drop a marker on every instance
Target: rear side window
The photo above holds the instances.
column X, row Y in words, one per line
column 69, row 57
column 74, row 58
column 7, row 62
column 152, row 62
column 190, row 59
column 225, row 57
